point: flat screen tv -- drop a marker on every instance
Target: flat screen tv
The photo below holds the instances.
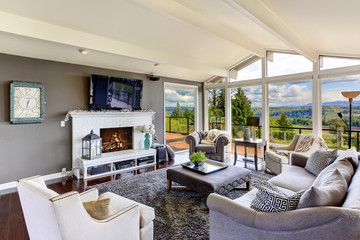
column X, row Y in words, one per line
column 115, row 93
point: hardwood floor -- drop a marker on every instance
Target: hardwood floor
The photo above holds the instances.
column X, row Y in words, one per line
column 12, row 223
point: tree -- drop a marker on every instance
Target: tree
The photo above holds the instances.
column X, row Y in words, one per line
column 178, row 112
column 188, row 112
column 217, row 105
column 240, row 107
column 283, row 121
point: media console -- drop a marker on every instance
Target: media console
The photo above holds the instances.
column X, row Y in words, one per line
column 117, row 162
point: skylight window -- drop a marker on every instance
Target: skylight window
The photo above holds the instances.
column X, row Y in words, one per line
column 250, row 69
column 336, row 62
column 287, row 63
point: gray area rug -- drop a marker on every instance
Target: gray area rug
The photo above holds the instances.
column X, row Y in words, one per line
column 179, row 214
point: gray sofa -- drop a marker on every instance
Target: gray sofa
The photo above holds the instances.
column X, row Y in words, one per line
column 214, row 152
column 234, row 219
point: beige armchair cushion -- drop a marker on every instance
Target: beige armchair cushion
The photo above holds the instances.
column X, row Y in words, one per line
column 276, row 157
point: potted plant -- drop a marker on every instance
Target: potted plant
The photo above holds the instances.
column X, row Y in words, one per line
column 198, row 158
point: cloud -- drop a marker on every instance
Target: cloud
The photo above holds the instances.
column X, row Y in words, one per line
column 290, row 94
column 253, row 94
column 252, row 71
column 181, row 96
column 335, row 62
column 285, row 63
column 332, row 87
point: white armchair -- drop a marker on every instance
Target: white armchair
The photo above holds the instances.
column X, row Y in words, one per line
column 49, row 215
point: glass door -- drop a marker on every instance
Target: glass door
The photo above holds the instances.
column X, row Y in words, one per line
column 180, row 114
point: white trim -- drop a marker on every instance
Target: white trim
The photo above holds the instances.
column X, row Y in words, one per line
column 87, row 114
column 316, row 101
column 206, row 109
column 10, row 185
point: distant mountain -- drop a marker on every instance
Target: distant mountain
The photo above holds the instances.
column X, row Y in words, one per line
column 169, row 110
column 335, row 103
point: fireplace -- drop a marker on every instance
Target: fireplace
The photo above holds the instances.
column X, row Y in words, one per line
column 116, row 139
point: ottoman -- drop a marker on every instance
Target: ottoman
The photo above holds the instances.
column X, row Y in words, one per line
column 218, row 182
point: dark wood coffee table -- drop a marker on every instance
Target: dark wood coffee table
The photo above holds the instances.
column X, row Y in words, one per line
column 219, row 182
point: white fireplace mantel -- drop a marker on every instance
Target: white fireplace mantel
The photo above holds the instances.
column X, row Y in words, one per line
column 99, row 114
column 85, row 121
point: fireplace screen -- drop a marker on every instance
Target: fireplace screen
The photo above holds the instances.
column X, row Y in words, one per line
column 116, row 139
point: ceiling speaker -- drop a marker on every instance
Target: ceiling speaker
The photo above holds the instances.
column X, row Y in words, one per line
column 154, row 78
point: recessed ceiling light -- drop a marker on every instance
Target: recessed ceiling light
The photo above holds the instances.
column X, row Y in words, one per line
column 84, row 51
column 157, row 65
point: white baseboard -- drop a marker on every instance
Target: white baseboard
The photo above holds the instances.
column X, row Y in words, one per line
column 10, row 185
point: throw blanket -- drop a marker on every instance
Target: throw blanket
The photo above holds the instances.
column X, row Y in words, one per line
column 213, row 135
column 304, row 144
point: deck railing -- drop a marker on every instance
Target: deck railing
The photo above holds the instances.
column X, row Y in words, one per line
column 182, row 125
column 334, row 138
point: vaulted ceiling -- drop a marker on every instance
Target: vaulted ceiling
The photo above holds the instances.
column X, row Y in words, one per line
column 190, row 39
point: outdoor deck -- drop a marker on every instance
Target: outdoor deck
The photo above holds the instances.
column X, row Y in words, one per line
column 177, row 142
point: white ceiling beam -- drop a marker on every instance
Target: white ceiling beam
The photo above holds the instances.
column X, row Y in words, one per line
column 260, row 14
column 189, row 17
column 49, row 32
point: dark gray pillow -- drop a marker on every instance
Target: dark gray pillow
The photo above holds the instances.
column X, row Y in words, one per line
column 170, row 152
column 319, row 160
column 269, row 198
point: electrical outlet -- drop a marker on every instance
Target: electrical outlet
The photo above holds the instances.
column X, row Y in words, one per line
column 63, row 171
column 62, row 123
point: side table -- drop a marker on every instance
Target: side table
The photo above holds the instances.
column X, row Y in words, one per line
column 258, row 143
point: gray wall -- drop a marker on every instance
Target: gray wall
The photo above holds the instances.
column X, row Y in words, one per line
column 45, row 148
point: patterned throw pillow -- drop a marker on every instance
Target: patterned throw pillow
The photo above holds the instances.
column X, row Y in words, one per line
column 319, row 160
column 269, row 198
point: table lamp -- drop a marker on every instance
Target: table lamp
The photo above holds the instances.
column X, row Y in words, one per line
column 253, row 122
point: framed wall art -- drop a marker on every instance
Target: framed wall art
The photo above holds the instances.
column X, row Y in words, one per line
column 27, row 102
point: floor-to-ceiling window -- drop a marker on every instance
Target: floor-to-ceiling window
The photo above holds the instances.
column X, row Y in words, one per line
column 335, row 130
column 180, row 114
column 289, row 91
column 290, row 110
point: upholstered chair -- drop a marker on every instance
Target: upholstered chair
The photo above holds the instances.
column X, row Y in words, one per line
column 215, row 151
column 49, row 215
column 304, row 144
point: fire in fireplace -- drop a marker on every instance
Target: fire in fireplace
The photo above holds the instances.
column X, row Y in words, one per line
column 116, row 139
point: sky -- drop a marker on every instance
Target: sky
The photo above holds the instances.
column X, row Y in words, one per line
column 300, row 93
column 332, row 87
column 283, row 94
column 176, row 95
